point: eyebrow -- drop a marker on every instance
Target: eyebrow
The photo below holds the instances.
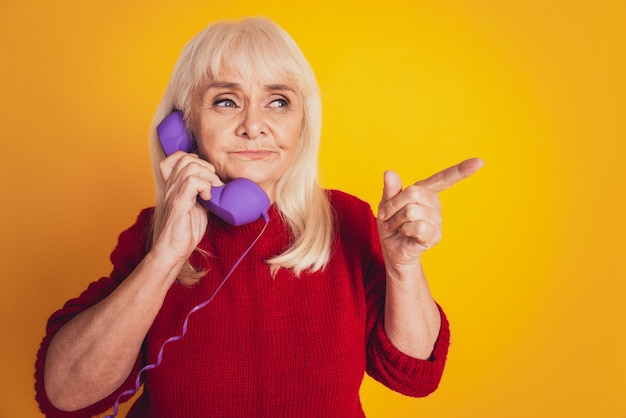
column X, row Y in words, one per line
column 237, row 86
column 279, row 87
column 223, row 84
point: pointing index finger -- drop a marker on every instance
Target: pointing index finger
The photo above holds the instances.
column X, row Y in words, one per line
column 445, row 179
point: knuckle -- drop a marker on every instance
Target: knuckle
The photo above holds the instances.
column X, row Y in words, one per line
column 415, row 191
column 422, row 228
column 415, row 212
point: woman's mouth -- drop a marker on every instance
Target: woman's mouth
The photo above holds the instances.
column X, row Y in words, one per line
column 254, row 154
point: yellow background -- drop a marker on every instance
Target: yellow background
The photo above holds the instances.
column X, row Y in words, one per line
column 531, row 267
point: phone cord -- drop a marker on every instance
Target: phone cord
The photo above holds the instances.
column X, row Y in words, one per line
column 134, row 390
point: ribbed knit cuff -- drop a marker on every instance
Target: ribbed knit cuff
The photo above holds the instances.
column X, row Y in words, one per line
column 403, row 373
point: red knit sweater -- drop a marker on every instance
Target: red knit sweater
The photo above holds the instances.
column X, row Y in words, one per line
column 264, row 347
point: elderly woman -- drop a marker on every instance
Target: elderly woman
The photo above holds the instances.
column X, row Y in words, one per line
column 326, row 293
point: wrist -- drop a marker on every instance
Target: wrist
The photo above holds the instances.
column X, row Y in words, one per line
column 161, row 262
column 403, row 273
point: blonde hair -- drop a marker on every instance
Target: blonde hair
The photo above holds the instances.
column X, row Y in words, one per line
column 258, row 48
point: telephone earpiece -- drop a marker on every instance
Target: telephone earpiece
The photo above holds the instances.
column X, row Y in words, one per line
column 238, row 202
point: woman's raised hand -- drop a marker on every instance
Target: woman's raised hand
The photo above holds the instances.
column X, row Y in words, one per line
column 409, row 220
column 186, row 177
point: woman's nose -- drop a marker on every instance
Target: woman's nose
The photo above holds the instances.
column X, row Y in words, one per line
column 252, row 123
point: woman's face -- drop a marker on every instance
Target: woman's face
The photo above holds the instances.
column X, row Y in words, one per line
column 248, row 128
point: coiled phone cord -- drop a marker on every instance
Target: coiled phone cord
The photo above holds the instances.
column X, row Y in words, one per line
column 134, row 390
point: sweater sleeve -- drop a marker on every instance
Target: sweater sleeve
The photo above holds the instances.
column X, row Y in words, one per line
column 130, row 249
column 402, row 373
column 385, row 363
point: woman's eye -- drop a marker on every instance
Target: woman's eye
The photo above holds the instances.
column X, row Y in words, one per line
column 225, row 103
column 279, row 103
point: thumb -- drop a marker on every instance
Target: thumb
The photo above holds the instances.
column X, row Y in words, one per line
column 392, row 185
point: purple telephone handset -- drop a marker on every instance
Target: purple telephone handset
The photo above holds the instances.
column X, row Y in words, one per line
column 239, row 202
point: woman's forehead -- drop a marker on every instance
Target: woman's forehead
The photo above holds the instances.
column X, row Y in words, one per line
column 255, row 64
column 245, row 77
